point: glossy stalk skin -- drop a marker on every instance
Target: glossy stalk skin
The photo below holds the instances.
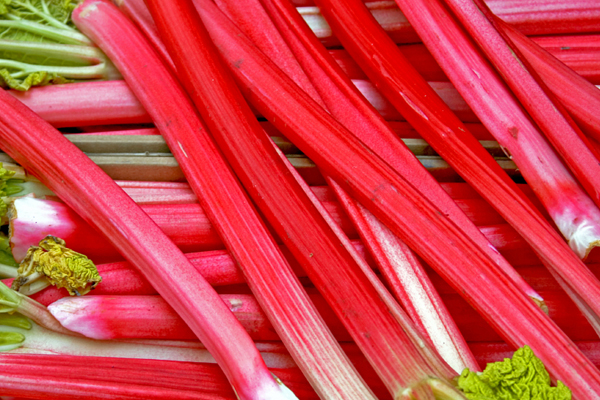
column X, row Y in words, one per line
column 580, row 97
column 512, row 127
column 190, row 229
column 150, row 317
column 287, row 207
column 77, row 104
column 93, row 195
column 358, row 170
column 68, row 377
column 138, row 12
column 557, row 17
column 112, row 102
column 425, row 308
column 244, row 234
column 348, row 106
column 551, row 117
column 127, row 316
column 582, row 60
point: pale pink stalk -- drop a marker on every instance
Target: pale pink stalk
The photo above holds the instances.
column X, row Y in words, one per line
column 76, row 104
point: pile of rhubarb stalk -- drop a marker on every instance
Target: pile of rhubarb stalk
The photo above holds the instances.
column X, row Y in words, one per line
column 346, row 199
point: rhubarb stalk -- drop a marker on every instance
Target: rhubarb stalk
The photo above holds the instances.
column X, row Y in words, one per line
column 549, row 115
column 572, row 210
column 286, row 205
column 393, row 257
column 244, row 234
column 88, row 190
column 347, row 160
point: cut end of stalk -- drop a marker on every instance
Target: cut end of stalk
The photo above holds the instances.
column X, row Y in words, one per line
column 583, row 243
column 582, row 231
column 57, row 265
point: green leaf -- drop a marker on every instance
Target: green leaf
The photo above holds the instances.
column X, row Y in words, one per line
column 40, row 78
column 523, row 377
column 52, row 50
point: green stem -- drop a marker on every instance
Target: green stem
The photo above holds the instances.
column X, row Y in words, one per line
column 6, row 271
column 59, row 35
column 99, row 71
column 86, row 55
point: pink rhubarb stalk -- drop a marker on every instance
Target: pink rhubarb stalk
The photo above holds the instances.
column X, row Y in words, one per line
column 149, row 317
column 245, row 235
column 93, row 195
column 62, row 377
column 394, row 258
column 112, row 102
column 76, row 104
column 580, row 97
column 346, row 159
column 548, row 114
column 39, row 218
column 572, row 210
column 331, row 267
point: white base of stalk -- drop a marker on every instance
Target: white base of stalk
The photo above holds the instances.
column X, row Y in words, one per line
column 42, row 341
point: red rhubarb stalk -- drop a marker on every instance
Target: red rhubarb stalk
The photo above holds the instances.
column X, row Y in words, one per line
column 301, row 226
column 548, row 114
column 267, row 272
column 347, row 160
column 92, row 194
column 512, row 127
column 79, row 377
column 563, row 16
column 583, row 60
column 395, row 260
column 580, row 97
